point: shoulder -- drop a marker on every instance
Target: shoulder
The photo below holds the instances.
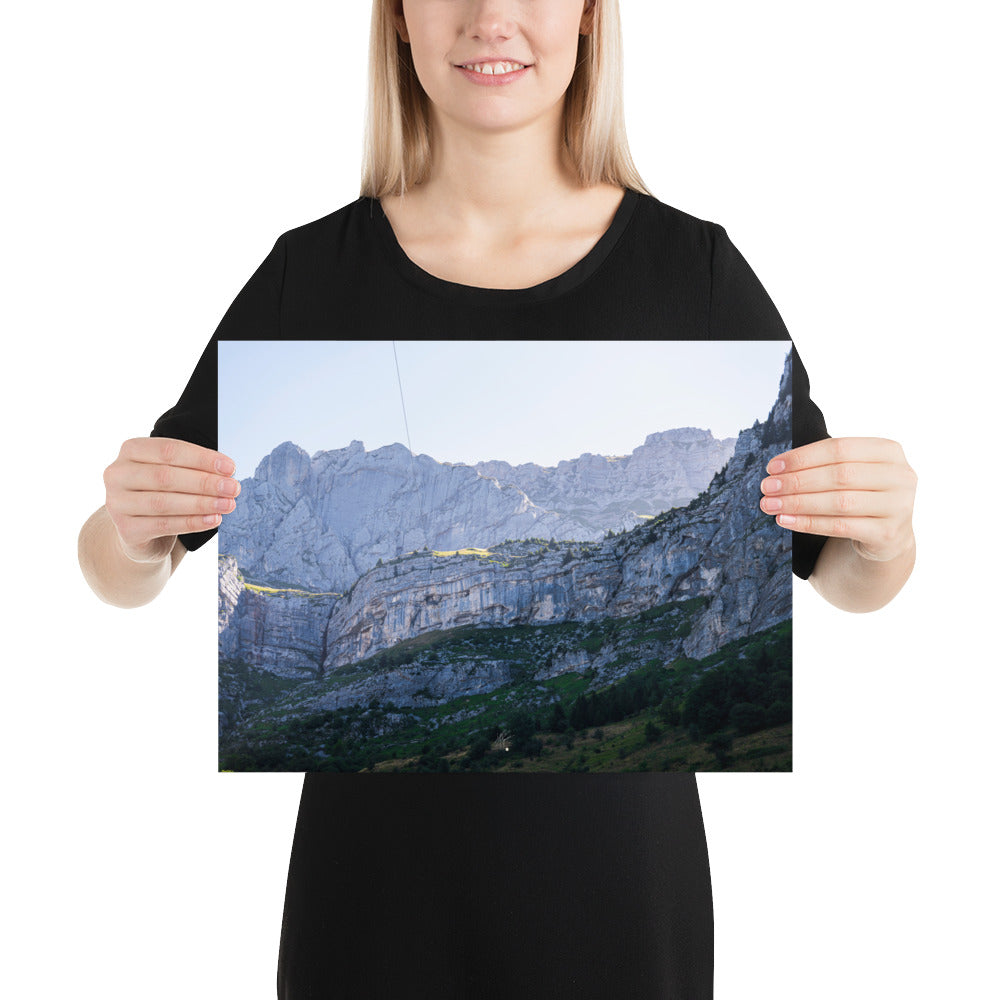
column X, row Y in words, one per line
column 664, row 224
column 666, row 240
column 338, row 242
column 672, row 220
column 332, row 227
column 670, row 232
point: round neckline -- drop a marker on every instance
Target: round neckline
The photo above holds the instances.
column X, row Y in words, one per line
column 569, row 279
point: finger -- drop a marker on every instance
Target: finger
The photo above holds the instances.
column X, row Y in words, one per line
column 875, row 476
column 873, row 537
column 866, row 530
column 141, row 477
column 140, row 530
column 840, row 503
column 155, row 503
column 174, row 452
column 833, row 451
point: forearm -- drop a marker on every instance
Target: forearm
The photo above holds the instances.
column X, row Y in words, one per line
column 113, row 576
column 852, row 583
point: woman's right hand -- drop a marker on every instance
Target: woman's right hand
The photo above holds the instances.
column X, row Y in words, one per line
column 159, row 488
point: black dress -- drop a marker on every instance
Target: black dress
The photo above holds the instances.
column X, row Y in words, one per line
column 481, row 886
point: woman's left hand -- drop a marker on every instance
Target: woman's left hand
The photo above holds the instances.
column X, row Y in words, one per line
column 852, row 487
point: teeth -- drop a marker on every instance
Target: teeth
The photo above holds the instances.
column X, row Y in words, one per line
column 495, row 69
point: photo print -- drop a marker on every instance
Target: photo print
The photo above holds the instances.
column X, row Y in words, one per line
column 504, row 556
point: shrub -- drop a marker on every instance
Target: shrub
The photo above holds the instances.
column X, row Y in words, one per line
column 709, row 719
column 747, row 717
column 778, row 712
column 720, row 744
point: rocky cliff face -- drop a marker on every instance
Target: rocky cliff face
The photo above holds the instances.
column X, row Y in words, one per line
column 279, row 630
column 719, row 547
column 319, row 523
column 614, row 492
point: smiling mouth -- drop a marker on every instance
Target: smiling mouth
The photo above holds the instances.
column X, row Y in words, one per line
column 493, row 68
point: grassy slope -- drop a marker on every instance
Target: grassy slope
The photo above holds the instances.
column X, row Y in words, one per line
column 286, row 735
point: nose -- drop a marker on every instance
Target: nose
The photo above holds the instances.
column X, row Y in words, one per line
column 490, row 19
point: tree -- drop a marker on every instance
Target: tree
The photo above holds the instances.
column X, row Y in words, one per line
column 778, row 712
column 557, row 721
column 709, row 718
column 520, row 727
column 720, row 744
column 747, row 717
column 581, row 714
column 670, row 710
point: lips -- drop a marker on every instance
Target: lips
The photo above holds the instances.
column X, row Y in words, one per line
column 488, row 79
column 493, row 73
column 492, row 59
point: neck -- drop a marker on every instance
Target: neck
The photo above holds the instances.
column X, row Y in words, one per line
column 498, row 181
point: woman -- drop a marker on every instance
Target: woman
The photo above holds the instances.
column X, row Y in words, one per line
column 501, row 204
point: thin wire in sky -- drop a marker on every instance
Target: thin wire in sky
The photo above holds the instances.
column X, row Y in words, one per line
column 413, row 472
column 406, row 423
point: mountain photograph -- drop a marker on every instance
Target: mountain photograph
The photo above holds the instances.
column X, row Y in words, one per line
column 509, row 608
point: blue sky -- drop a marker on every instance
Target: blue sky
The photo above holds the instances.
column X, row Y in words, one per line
column 469, row 401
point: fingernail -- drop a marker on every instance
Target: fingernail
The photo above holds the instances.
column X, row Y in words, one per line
column 776, row 465
column 771, row 504
column 225, row 466
column 786, row 519
column 771, row 485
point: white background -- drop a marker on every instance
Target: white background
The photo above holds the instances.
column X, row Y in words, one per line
column 154, row 153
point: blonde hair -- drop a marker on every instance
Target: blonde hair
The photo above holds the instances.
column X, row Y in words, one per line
column 397, row 141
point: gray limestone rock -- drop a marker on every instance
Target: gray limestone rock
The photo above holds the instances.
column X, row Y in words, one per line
column 320, row 523
column 334, row 508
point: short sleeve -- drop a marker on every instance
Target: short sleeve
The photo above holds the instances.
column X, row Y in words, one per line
column 741, row 309
column 255, row 314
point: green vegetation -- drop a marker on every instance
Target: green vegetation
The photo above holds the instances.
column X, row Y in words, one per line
column 244, row 689
column 730, row 710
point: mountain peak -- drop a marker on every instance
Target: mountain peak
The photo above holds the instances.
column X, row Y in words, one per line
column 679, row 435
column 287, row 464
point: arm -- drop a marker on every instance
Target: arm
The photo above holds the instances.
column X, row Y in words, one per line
column 167, row 494
column 852, row 583
column 858, row 492
column 846, row 489
column 115, row 577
